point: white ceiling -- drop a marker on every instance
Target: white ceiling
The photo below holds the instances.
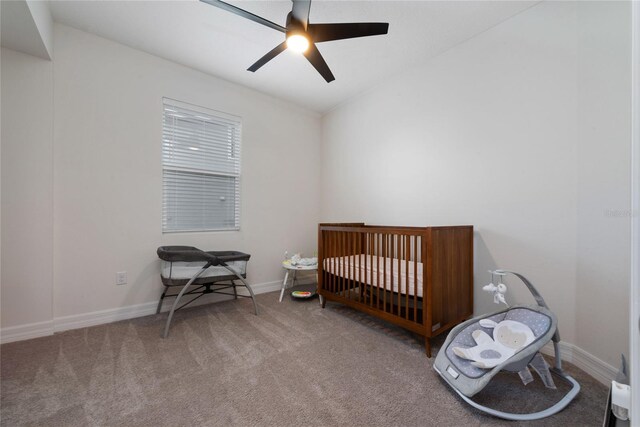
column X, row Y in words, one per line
column 26, row 26
column 220, row 43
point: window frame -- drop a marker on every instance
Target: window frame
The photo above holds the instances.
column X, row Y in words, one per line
column 237, row 127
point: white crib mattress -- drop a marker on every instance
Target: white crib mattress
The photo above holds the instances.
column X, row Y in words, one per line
column 370, row 269
column 186, row 270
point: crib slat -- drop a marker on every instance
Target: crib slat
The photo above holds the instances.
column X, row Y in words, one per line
column 392, row 268
column 332, row 241
column 391, row 256
column 357, row 265
column 370, row 244
column 338, row 263
column 368, row 294
column 355, row 241
column 330, row 257
column 402, row 291
column 345, row 264
column 399, row 258
column 347, row 288
column 340, row 254
column 384, row 279
column 380, row 239
column 398, row 284
column 407, row 253
column 377, row 279
column 365, row 250
column 415, row 278
column 394, row 272
column 401, row 278
column 362, row 257
column 350, row 262
column 322, row 250
column 334, row 249
column 323, row 261
column 343, row 237
column 364, row 264
column 368, row 273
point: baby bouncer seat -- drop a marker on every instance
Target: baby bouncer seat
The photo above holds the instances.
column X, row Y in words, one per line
column 200, row 273
column 508, row 340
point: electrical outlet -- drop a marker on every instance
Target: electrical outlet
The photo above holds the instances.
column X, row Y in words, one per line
column 121, row 278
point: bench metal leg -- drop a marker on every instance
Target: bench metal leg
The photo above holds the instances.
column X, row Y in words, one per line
column 244, row 282
column 235, row 290
column 175, row 303
column 161, row 300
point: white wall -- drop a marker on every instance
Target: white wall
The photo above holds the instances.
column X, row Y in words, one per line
column 27, row 189
column 107, row 176
column 604, row 202
column 634, row 303
column 492, row 133
column 107, row 172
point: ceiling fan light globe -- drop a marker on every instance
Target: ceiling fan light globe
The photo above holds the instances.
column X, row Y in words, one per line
column 297, row 43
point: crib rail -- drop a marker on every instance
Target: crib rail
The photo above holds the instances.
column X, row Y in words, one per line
column 396, row 273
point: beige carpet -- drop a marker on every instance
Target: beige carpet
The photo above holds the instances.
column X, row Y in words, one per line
column 293, row 365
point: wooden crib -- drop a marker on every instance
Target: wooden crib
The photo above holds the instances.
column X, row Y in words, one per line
column 419, row 278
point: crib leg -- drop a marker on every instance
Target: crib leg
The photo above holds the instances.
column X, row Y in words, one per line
column 427, row 346
column 161, row 300
column 323, row 301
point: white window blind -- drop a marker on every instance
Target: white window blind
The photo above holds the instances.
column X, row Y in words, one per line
column 200, row 169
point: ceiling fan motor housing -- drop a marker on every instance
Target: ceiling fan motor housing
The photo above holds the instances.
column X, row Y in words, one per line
column 298, row 25
column 294, row 26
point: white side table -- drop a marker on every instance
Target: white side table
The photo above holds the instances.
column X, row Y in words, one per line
column 288, row 267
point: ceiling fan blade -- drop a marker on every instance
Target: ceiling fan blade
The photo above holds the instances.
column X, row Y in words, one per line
column 241, row 12
column 268, row 57
column 327, row 32
column 300, row 11
column 318, row 62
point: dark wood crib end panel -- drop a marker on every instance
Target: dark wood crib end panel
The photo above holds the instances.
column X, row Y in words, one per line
column 451, row 274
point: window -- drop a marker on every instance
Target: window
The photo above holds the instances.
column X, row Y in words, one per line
column 200, row 169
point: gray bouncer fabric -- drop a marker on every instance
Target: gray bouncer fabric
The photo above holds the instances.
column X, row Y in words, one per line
column 467, row 379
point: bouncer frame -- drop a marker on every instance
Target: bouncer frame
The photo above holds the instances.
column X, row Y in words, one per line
column 515, row 365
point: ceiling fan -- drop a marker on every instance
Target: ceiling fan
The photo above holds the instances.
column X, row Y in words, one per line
column 301, row 35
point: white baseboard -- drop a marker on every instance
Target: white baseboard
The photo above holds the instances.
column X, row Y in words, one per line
column 76, row 321
column 26, row 332
column 100, row 317
column 598, row 369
